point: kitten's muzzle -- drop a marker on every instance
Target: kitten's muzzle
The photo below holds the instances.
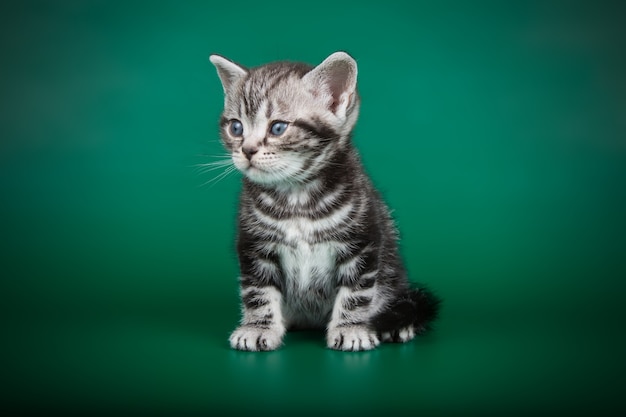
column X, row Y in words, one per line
column 249, row 151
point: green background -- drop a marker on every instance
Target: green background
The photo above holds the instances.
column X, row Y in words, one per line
column 495, row 130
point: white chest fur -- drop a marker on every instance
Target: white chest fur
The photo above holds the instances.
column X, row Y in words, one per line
column 308, row 265
column 309, row 272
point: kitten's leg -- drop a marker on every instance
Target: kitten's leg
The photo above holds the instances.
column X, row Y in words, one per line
column 262, row 326
column 348, row 329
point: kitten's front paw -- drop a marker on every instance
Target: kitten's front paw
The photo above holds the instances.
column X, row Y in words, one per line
column 351, row 338
column 255, row 339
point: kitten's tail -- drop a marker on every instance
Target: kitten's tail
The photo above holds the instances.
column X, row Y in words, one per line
column 418, row 307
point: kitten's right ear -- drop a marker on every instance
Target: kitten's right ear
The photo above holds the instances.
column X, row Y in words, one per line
column 228, row 71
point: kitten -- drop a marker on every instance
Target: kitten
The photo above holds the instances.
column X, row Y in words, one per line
column 316, row 244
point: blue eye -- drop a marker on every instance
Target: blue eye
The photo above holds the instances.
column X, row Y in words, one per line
column 236, row 128
column 278, row 128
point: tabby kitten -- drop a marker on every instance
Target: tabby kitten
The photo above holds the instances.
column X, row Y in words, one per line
column 316, row 244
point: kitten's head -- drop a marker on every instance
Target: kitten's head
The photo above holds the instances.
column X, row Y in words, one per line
column 283, row 122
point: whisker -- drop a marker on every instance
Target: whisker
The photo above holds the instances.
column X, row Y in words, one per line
column 212, row 166
column 223, row 162
column 221, row 157
column 229, row 170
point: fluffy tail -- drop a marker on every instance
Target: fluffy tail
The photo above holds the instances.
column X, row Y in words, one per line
column 418, row 307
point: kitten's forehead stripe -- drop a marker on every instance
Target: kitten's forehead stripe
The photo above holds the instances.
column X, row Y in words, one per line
column 269, row 109
column 262, row 82
column 246, row 104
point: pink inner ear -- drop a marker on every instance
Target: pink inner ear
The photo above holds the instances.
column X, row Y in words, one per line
column 337, row 80
column 336, row 85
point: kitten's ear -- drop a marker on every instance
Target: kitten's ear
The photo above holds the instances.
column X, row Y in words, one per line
column 228, row 71
column 337, row 76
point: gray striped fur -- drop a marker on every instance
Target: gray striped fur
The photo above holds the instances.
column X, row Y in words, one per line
column 316, row 244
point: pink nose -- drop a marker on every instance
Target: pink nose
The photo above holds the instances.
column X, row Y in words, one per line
column 249, row 151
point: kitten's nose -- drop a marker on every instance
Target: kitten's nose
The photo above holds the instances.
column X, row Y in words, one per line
column 249, row 151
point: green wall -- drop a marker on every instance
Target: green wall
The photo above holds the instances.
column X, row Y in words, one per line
column 495, row 130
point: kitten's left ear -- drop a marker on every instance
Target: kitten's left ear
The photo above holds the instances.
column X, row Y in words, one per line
column 337, row 76
column 228, row 71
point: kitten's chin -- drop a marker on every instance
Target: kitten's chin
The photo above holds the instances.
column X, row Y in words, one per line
column 262, row 177
column 269, row 175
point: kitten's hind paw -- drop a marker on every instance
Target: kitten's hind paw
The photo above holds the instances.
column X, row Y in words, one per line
column 399, row 336
column 351, row 338
column 255, row 339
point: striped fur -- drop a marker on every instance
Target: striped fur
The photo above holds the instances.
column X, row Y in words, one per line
column 316, row 244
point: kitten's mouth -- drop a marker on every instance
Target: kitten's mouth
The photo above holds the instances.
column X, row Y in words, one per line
column 254, row 171
column 252, row 167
